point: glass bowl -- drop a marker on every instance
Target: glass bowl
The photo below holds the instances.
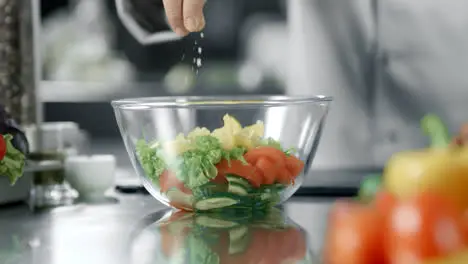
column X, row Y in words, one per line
column 215, row 153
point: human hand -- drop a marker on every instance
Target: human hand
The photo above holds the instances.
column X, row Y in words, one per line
column 185, row 16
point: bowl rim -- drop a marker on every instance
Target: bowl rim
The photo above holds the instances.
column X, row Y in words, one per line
column 146, row 103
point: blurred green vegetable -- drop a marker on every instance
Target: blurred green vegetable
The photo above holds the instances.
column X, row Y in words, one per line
column 369, row 187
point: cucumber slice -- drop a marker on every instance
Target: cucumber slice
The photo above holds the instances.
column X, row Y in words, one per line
column 209, row 190
column 237, row 189
column 238, row 180
column 279, row 187
column 176, row 196
column 210, row 222
column 222, row 200
column 238, row 240
column 275, row 219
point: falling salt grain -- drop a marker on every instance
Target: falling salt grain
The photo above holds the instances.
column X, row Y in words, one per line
column 202, row 35
column 200, row 50
column 199, row 62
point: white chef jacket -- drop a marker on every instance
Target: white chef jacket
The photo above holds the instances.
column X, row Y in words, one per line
column 387, row 63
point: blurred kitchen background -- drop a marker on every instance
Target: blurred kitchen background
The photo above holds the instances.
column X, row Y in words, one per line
column 364, row 53
column 89, row 58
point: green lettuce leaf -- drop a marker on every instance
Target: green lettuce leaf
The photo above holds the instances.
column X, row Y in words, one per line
column 12, row 164
column 197, row 166
column 151, row 160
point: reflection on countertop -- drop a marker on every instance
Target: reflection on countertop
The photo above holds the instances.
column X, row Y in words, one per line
column 126, row 232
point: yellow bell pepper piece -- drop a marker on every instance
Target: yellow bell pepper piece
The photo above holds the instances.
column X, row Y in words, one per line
column 459, row 258
column 444, row 171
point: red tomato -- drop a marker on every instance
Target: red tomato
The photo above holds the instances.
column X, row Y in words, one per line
column 3, row 147
column 169, row 180
column 424, row 227
column 354, row 235
column 220, row 179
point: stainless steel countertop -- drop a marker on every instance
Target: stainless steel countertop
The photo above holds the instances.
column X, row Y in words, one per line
column 99, row 233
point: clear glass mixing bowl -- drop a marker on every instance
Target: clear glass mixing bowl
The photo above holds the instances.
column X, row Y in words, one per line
column 217, row 153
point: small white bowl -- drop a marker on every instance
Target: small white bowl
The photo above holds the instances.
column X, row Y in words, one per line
column 91, row 176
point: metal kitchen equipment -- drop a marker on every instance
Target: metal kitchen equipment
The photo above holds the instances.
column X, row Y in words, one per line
column 63, row 137
column 49, row 188
column 19, row 73
column 19, row 59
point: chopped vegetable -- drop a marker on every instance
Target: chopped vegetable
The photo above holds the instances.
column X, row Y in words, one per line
column 274, row 165
column 12, row 161
column 276, row 156
column 370, row 187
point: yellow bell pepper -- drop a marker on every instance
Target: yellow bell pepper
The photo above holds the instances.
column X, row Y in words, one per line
column 441, row 168
column 459, row 258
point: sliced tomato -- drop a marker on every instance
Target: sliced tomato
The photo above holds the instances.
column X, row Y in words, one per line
column 285, row 176
column 354, row 235
column 294, row 165
column 220, row 179
column 245, row 171
column 169, row 180
column 269, row 170
column 274, row 155
column 425, row 227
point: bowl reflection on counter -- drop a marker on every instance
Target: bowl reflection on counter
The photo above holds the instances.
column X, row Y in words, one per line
column 184, row 237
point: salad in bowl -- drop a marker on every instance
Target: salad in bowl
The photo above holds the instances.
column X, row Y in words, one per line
column 230, row 166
